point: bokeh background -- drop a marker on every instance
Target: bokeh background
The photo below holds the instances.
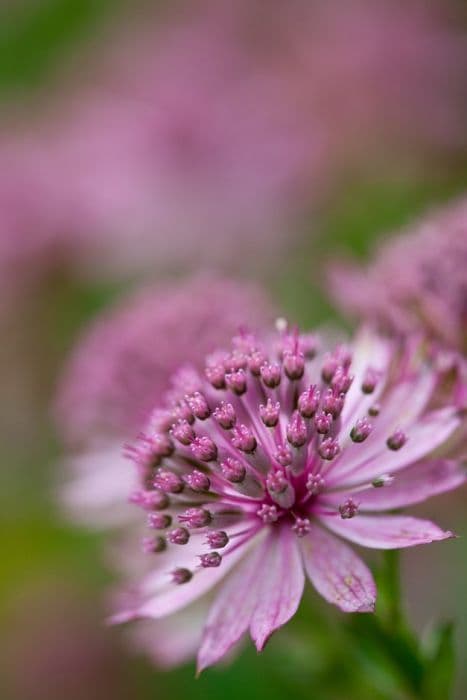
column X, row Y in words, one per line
column 144, row 142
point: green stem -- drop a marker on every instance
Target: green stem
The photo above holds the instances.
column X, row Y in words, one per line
column 393, row 614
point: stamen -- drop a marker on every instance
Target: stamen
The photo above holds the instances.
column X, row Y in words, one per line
column 233, row 470
column 159, row 521
column 180, row 576
column 255, row 362
column 268, row 514
column 183, row 432
column 294, row 364
column 348, row 509
column 204, row 449
column 283, row 455
column 225, row 415
column 341, row 381
column 374, row 410
column 361, row 430
column 323, row 422
column 197, row 481
column 297, row 430
column 195, row 517
column 315, row 484
column 333, row 403
column 210, row 560
column 383, row 480
column 215, row 374
column 396, row 440
column 301, row 527
column 217, row 539
column 168, row 481
column 370, row 380
column 308, row 402
column 198, row 405
column 178, row 536
column 329, row 448
column 150, row 500
column 243, row 439
column 236, row 382
column 271, row 375
column 153, row 545
column 269, row 413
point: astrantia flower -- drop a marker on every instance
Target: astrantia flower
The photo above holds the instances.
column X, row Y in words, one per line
column 124, row 361
column 262, row 465
column 416, row 281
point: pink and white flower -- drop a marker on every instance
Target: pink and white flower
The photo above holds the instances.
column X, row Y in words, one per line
column 260, row 470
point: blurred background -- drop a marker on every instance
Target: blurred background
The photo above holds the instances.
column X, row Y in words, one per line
column 145, row 142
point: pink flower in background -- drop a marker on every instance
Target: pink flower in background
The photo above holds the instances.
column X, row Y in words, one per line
column 208, row 132
column 258, row 468
column 415, row 281
column 124, row 361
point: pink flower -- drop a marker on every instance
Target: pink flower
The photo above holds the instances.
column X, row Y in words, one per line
column 416, row 281
column 124, row 361
column 247, row 488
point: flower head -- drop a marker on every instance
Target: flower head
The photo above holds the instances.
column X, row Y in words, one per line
column 416, row 281
column 124, row 361
column 277, row 489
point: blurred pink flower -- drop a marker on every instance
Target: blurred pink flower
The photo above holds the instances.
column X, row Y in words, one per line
column 415, row 281
column 124, row 360
column 209, row 131
column 260, row 461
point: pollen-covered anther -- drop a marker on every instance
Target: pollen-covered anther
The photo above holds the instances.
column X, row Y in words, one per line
column 329, row 448
column 243, row 439
column 179, row 535
column 198, row 405
column 268, row 514
column 341, row 381
column 323, row 422
column 297, row 430
column 271, row 374
column 315, row 484
column 169, row 482
column 195, row 517
column 301, row 527
column 269, row 413
column 340, row 357
column 383, row 480
column 150, row 500
column 283, row 455
column 183, row 432
column 236, row 361
column 348, row 509
column 215, row 374
column 308, row 401
column 217, row 539
column 210, row 560
column 152, row 545
column 182, row 412
column 236, row 382
column 333, row 402
column 294, row 364
column 396, row 440
column 233, row 470
column 361, row 430
column 181, row 575
column 204, row 449
column 197, row 481
column 370, row 380
column 225, row 415
column 162, row 445
column 159, row 521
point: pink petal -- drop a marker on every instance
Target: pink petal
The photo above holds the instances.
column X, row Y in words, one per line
column 401, row 408
column 385, row 532
column 414, row 485
column 169, row 597
column 337, row 573
column 281, row 586
column 423, row 438
column 368, row 350
column 232, row 609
